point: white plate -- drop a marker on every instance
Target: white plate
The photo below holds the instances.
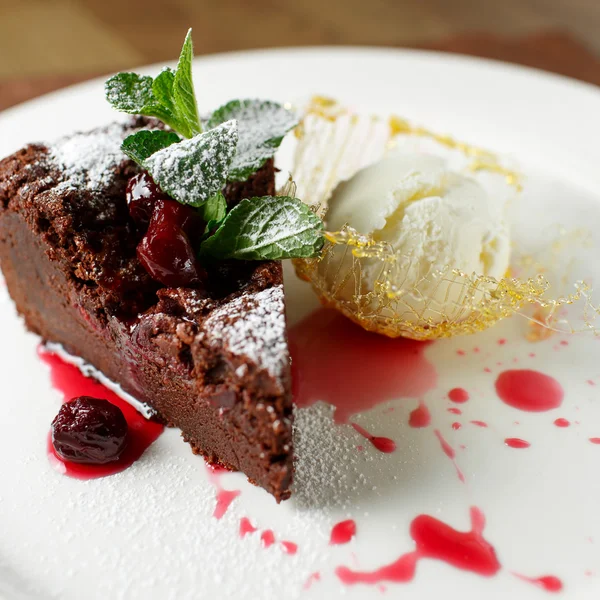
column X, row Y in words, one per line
column 149, row 532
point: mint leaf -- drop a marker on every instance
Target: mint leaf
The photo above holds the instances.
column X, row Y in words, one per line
column 134, row 94
column 129, row 92
column 143, row 144
column 262, row 124
column 194, row 170
column 183, row 88
column 267, row 228
column 214, row 209
column 162, row 89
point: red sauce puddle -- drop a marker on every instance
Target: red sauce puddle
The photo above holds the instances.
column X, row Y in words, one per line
column 529, row 390
column 562, row 422
column 376, row 368
column 516, row 443
column 549, row 583
column 69, row 380
column 458, row 395
column 435, row 540
column 383, row 444
column 420, row 416
column 342, row 532
column 450, row 453
column 224, row 497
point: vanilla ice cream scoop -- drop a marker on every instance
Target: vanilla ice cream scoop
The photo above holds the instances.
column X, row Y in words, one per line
column 433, row 219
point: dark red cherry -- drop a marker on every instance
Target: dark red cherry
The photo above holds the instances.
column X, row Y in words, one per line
column 170, row 213
column 167, row 254
column 141, row 194
column 89, row 430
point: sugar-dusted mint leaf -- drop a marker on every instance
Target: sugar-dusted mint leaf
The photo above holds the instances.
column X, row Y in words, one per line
column 183, row 88
column 143, row 144
column 170, row 97
column 214, row 209
column 196, row 169
column 262, row 124
column 267, row 228
column 134, row 94
column 129, row 92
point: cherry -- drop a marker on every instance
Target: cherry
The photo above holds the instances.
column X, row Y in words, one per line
column 166, row 251
column 141, row 194
column 89, row 430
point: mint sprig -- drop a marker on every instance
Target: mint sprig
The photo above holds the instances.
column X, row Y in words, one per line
column 267, row 228
column 194, row 170
column 262, row 125
column 143, row 144
column 229, row 145
column 170, row 97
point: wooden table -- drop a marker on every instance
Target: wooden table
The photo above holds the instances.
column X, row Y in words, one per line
column 551, row 51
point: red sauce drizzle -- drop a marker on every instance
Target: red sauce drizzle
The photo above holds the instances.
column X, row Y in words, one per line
column 450, row 453
column 562, row 422
column 516, row 443
column 529, row 390
column 458, row 395
column 327, row 342
column 289, row 547
column 69, row 380
column 435, row 540
column 420, row 416
column 383, row 444
column 267, row 537
column 224, row 497
column 342, row 532
column 479, row 423
column 595, row 440
column 246, row 527
column 549, row 583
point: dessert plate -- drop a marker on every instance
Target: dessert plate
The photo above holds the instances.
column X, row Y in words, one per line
column 471, row 468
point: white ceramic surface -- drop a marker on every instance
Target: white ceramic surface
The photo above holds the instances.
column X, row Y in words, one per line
column 149, row 532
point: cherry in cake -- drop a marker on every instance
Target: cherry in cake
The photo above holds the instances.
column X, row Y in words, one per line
column 151, row 249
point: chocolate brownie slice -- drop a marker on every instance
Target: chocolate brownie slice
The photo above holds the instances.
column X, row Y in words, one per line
column 213, row 361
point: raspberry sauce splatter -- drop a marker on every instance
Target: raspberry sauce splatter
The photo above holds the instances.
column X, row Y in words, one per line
column 312, row 578
column 450, row 453
column 595, row 440
column 468, row 551
column 224, row 497
column 549, row 583
column 516, row 443
column 69, row 380
column 456, row 426
column 342, row 532
column 383, row 444
column 529, row 390
column 420, row 416
column 246, row 527
column 458, row 395
column 455, row 411
column 479, row 423
column 289, row 547
column 327, row 342
column 267, row 538
column 562, row 422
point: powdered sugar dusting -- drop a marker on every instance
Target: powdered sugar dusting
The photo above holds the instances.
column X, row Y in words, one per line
column 254, row 326
column 194, row 170
column 88, row 160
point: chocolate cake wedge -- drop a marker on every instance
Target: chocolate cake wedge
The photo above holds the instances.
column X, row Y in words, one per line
column 212, row 361
column 151, row 249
